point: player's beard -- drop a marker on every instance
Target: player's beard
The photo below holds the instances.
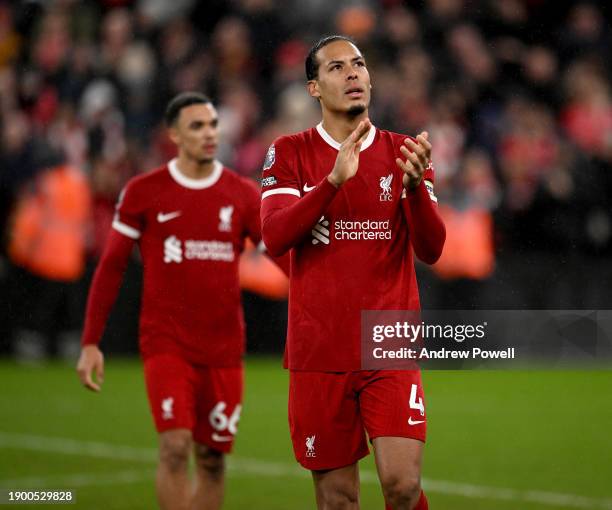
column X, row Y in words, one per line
column 356, row 110
column 203, row 159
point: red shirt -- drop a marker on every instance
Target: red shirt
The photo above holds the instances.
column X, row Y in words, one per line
column 357, row 257
column 190, row 233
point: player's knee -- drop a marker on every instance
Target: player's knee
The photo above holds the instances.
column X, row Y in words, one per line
column 401, row 491
column 210, row 462
column 340, row 497
column 174, row 450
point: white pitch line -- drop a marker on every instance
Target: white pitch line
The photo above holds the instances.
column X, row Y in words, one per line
column 75, row 447
column 507, row 494
column 246, row 466
column 72, row 481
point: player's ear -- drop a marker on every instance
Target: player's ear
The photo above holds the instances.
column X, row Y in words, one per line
column 313, row 88
column 173, row 134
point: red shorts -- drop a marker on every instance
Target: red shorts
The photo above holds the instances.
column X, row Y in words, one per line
column 331, row 412
column 205, row 400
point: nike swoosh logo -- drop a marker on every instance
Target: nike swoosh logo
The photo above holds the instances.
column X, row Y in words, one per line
column 221, row 439
column 414, row 422
column 308, row 188
column 163, row 218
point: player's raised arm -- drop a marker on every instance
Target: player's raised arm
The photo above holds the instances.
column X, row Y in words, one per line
column 286, row 221
column 427, row 231
column 102, row 294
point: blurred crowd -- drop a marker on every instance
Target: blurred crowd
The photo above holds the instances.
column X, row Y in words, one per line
column 516, row 96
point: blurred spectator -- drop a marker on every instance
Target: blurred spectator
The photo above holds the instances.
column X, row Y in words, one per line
column 232, row 46
column 47, row 237
column 400, row 29
column 9, row 39
column 159, row 12
column 21, row 158
column 586, row 32
column 468, row 259
column 528, row 149
column 587, row 116
column 356, row 21
column 540, row 70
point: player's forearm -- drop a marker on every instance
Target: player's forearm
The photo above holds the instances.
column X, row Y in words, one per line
column 285, row 224
column 427, row 230
column 105, row 286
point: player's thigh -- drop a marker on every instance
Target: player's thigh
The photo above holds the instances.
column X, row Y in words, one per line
column 324, row 420
column 219, row 393
column 393, row 409
column 170, row 388
column 393, row 404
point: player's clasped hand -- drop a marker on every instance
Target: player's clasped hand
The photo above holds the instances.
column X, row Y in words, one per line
column 347, row 160
column 90, row 362
column 418, row 156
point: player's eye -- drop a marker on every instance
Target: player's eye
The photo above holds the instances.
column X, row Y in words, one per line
column 335, row 67
column 214, row 123
column 360, row 63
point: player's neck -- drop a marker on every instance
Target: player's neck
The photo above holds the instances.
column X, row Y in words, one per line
column 194, row 169
column 339, row 127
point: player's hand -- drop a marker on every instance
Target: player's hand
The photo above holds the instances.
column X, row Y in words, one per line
column 90, row 362
column 418, row 157
column 347, row 160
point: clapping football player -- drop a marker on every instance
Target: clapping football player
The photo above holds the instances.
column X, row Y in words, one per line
column 351, row 202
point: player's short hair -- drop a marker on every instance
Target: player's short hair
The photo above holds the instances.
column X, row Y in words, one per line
column 312, row 64
column 181, row 101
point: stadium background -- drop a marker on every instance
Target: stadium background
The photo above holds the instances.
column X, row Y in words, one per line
column 517, row 97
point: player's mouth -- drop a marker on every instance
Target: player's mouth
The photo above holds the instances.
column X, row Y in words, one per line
column 354, row 92
column 210, row 147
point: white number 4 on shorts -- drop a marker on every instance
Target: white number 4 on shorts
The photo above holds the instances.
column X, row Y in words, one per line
column 413, row 400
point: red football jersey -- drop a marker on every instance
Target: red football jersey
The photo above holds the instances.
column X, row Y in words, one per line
column 191, row 233
column 358, row 257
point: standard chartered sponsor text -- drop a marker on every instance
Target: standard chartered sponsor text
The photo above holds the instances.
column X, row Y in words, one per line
column 209, row 250
column 362, row 230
